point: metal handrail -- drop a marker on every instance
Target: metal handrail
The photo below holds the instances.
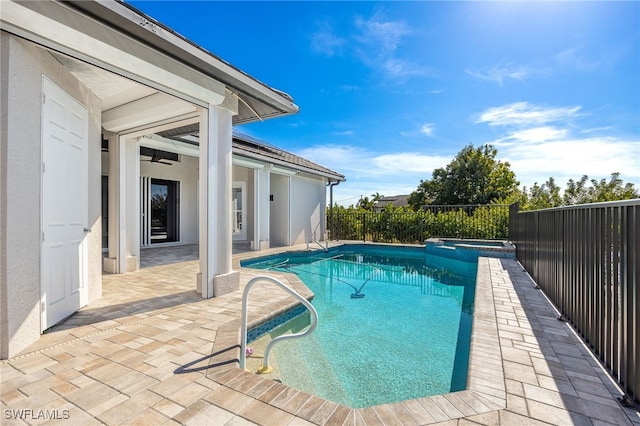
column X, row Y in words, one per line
column 243, row 330
column 325, row 248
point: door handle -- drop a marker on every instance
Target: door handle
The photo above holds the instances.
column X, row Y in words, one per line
column 86, row 230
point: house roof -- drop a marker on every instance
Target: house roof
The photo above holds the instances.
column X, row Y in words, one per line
column 257, row 100
column 116, row 25
column 247, row 146
column 251, row 147
column 394, row 200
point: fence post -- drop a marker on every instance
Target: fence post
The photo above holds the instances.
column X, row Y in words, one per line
column 364, row 227
column 513, row 220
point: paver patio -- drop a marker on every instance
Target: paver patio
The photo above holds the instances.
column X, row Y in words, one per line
column 151, row 351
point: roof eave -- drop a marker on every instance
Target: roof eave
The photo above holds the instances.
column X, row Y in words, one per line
column 136, row 24
column 275, row 161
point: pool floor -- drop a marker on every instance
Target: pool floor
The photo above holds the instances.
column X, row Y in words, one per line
column 405, row 336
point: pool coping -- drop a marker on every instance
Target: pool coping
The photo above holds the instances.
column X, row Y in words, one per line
column 485, row 390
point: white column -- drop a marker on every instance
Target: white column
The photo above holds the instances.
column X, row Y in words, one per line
column 216, row 234
column 124, row 196
column 133, row 205
column 111, row 263
column 124, row 192
column 224, row 182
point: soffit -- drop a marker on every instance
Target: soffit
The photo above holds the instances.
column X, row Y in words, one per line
column 119, row 25
column 112, row 89
column 256, row 98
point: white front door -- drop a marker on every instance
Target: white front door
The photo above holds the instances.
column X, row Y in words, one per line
column 64, row 205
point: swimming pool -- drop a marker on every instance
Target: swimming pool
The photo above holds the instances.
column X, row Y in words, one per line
column 394, row 324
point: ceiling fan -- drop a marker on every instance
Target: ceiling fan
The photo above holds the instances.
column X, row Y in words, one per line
column 156, row 159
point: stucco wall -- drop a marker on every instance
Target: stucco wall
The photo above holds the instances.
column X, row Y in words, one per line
column 308, row 211
column 186, row 172
column 24, row 65
column 279, row 211
column 4, row 114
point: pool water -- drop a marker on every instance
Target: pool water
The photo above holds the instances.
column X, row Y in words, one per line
column 394, row 324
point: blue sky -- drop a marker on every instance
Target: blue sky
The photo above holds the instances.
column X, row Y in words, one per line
column 389, row 91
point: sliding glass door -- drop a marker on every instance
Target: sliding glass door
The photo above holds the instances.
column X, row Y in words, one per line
column 160, row 211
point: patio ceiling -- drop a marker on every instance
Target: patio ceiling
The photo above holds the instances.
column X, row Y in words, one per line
column 116, row 91
column 257, row 101
column 124, row 42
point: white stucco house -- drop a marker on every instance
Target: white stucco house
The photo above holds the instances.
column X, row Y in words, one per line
column 278, row 198
column 117, row 134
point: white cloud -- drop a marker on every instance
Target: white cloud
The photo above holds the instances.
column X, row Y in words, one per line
column 573, row 58
column 344, row 133
column 386, row 35
column 350, row 88
column 324, row 40
column 535, row 134
column 401, row 69
column 525, row 114
column 571, row 158
column 375, row 42
column 427, row 129
column 505, row 71
column 369, row 172
column 537, row 151
column 408, row 162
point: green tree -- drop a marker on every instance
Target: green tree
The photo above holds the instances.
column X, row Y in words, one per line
column 543, row 197
column 474, row 176
column 612, row 190
column 582, row 191
column 364, row 203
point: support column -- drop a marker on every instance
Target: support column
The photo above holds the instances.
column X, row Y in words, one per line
column 216, row 276
column 110, row 263
column 124, row 209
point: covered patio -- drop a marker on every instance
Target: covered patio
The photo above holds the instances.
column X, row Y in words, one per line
column 172, row 359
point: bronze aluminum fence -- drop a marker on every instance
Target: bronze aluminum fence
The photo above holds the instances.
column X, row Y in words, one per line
column 585, row 258
column 464, row 221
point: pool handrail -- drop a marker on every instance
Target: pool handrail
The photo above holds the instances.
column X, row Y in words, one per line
column 325, row 248
column 243, row 330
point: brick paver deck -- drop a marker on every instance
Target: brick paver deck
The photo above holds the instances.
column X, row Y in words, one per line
column 151, row 351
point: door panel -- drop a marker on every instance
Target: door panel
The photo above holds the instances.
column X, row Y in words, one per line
column 64, row 205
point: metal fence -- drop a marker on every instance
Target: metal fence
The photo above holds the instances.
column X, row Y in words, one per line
column 477, row 221
column 586, row 259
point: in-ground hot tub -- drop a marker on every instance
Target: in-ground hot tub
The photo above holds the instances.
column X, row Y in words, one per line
column 469, row 250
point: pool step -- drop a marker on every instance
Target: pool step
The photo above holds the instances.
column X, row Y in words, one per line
column 296, row 371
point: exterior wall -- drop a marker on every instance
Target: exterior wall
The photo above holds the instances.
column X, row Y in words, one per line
column 23, row 65
column 251, row 204
column 279, row 214
column 186, row 172
column 308, row 212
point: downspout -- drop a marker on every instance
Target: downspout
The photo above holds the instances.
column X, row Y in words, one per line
column 331, row 184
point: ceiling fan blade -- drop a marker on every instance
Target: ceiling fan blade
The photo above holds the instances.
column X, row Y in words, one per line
column 164, row 162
